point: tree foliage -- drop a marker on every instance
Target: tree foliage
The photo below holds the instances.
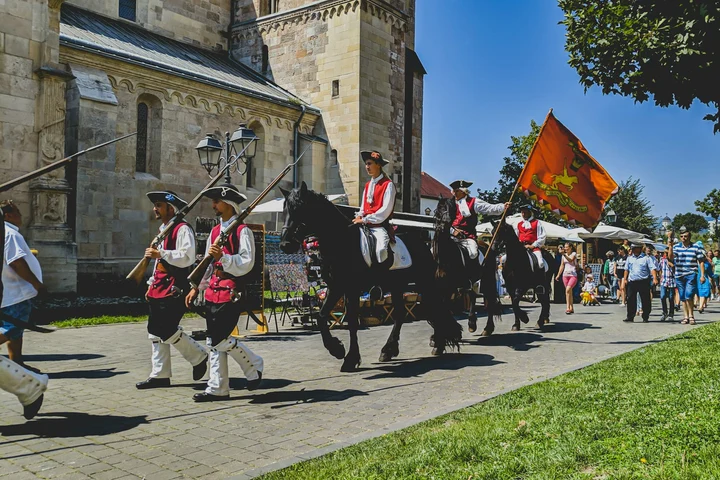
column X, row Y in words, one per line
column 710, row 206
column 664, row 49
column 692, row 221
column 632, row 208
column 510, row 172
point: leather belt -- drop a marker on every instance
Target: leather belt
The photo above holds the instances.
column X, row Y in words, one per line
column 222, row 274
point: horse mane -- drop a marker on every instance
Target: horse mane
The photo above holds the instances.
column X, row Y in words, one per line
column 299, row 197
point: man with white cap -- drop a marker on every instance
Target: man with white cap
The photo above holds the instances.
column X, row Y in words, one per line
column 166, row 292
column 224, row 296
column 465, row 209
column 378, row 203
column 531, row 233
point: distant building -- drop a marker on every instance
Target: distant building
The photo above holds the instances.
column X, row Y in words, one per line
column 431, row 190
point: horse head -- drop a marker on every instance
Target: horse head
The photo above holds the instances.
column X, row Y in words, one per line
column 296, row 211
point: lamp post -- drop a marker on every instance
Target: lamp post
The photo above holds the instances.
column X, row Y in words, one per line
column 428, row 211
column 239, row 148
column 611, row 216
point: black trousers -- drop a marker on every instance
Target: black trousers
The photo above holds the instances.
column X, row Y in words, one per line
column 221, row 319
column 634, row 288
column 165, row 316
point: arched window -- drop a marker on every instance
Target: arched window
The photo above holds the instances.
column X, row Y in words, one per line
column 149, row 135
column 142, row 137
column 333, row 158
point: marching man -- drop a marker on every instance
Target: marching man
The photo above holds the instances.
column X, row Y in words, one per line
column 531, row 233
column 466, row 210
column 166, row 293
column 377, row 205
column 224, row 296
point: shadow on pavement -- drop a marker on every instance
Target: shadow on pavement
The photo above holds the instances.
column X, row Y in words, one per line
column 562, row 327
column 290, row 398
column 60, row 357
column 98, row 373
column 266, row 384
column 73, row 424
column 420, row 366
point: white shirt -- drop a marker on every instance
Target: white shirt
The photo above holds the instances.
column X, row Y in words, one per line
column 239, row 264
column 184, row 254
column 388, row 202
column 541, row 235
column 16, row 289
column 480, row 207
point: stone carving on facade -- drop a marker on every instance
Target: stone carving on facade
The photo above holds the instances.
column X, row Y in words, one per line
column 51, row 137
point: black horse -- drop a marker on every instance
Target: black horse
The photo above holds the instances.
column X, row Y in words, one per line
column 347, row 275
column 455, row 273
column 520, row 277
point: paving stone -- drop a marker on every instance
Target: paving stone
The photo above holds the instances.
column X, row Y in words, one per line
column 96, row 424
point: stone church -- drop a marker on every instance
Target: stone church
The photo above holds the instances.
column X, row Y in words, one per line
column 325, row 77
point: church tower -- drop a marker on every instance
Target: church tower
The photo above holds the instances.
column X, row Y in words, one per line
column 355, row 61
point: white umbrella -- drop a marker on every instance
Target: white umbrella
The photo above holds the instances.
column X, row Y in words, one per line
column 614, row 233
column 277, row 205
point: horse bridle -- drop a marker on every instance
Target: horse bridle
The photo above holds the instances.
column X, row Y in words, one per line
column 295, row 229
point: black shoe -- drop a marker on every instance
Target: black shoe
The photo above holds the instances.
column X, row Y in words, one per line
column 254, row 384
column 628, row 320
column 208, row 397
column 200, row 369
column 645, row 320
column 153, row 383
column 31, row 410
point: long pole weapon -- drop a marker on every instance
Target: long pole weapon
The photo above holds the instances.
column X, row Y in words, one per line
column 26, row 178
column 138, row 273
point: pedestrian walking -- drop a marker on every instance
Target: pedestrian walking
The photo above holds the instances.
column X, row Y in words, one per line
column 638, row 271
column 620, row 261
column 608, row 274
column 667, row 288
column 569, row 274
column 688, row 262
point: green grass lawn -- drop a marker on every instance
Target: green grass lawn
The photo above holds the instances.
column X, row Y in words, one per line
column 101, row 320
column 652, row 413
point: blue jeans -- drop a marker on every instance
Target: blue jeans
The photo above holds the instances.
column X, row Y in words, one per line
column 21, row 311
column 667, row 294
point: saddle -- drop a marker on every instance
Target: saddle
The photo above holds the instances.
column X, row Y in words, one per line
column 397, row 251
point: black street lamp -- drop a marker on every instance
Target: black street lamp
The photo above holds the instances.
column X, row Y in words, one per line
column 611, row 216
column 239, row 148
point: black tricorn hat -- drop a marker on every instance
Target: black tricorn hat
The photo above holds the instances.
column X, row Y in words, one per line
column 527, row 206
column 460, row 184
column 374, row 156
column 225, row 191
column 167, row 196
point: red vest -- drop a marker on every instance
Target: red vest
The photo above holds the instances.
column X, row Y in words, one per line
column 167, row 276
column 378, row 195
column 466, row 224
column 528, row 236
column 220, row 290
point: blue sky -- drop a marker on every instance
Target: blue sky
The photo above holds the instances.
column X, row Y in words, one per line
column 494, row 65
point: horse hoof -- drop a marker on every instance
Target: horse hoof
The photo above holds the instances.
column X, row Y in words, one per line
column 515, row 328
column 540, row 324
column 524, row 319
column 486, row 333
column 437, row 351
column 336, row 348
column 389, row 352
column 384, row 357
column 472, row 324
column 350, row 365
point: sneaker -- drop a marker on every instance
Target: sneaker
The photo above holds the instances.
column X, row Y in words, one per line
column 663, row 317
column 670, row 319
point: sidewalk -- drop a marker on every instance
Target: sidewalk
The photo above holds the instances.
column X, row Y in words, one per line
column 95, row 424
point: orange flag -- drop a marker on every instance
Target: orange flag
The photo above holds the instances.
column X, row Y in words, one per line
column 561, row 176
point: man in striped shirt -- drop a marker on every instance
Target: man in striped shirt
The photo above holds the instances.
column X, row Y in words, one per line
column 687, row 259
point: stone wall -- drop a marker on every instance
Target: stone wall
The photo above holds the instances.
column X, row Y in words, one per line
column 200, row 22
column 114, row 221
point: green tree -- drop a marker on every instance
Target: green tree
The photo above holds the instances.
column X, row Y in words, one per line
column 510, row 171
column 692, row 221
column 710, row 206
column 664, row 49
column 632, row 208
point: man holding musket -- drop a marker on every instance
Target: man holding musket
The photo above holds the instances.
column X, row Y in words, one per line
column 225, row 300
column 166, row 292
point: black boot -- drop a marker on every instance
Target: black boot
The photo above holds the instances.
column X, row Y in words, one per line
column 29, row 411
column 208, row 397
column 200, row 369
column 153, row 383
column 254, row 384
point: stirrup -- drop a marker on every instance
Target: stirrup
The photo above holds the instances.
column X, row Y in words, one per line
column 539, row 290
column 375, row 293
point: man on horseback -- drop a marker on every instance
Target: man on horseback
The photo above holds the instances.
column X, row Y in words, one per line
column 378, row 203
column 531, row 233
column 465, row 210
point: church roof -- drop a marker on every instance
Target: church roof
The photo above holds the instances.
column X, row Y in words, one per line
column 84, row 30
column 433, row 188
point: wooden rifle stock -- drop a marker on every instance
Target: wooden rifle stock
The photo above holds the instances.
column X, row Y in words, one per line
column 197, row 274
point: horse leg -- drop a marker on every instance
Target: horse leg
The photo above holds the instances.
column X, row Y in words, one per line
column 472, row 318
column 333, row 344
column 391, row 349
column 520, row 315
column 352, row 359
column 545, row 305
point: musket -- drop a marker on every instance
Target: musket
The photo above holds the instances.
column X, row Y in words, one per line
column 55, row 165
column 138, row 273
column 197, row 274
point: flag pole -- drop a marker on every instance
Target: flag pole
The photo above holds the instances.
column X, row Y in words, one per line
column 512, row 195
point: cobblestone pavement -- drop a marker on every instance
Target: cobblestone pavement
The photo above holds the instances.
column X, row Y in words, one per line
column 95, row 424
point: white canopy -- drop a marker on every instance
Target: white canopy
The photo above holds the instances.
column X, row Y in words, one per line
column 614, row 233
column 277, row 205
